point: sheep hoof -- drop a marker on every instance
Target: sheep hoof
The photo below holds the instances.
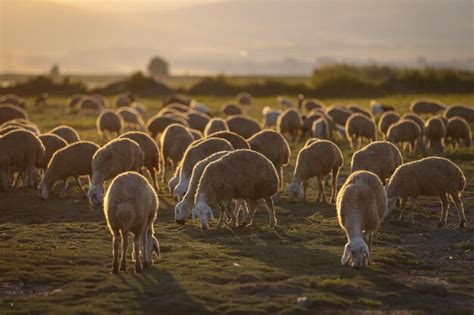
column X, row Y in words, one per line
column 462, row 224
column 441, row 224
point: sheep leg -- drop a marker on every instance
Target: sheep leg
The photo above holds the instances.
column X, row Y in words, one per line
column 444, row 210
column 62, row 195
column 305, row 187
column 402, row 208
column 137, row 242
column 163, row 167
column 115, row 250
column 221, row 221
column 371, row 237
column 271, row 212
column 460, row 207
column 123, row 259
column 78, row 182
column 252, row 207
column 153, row 179
column 321, row 195
column 335, row 173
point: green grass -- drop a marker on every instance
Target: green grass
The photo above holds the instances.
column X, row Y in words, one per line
column 56, row 254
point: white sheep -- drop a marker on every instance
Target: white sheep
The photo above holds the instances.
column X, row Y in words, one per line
column 131, row 118
column 320, row 129
column 361, row 206
column 431, row 177
column 405, row 132
column 435, row 131
column 130, row 206
column 173, row 143
column 359, row 126
column 386, row 120
column 117, row 156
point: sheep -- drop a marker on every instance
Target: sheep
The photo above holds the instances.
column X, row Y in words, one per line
column 231, row 109
column 131, row 118
column 290, row 122
column 173, row 108
column 361, row 205
column 101, row 99
column 270, row 117
column 22, row 150
column 320, row 129
column 380, row 157
column 197, row 120
column 73, row 160
column 215, row 125
column 196, row 134
column 378, row 108
column 435, row 131
column 430, row 177
column 386, row 120
column 13, row 99
column 185, row 206
column 122, row 100
column 117, row 156
column 91, row 103
column 51, row 143
column 284, row 102
column 109, row 124
column 357, row 109
column 69, row 134
column 151, row 159
column 41, row 100
column 242, row 174
column 274, row 147
column 176, row 98
column 173, row 143
column 308, row 122
column 74, row 101
column 10, row 112
column 244, row 98
column 463, row 111
column 405, row 131
column 131, row 206
column 237, row 141
column 192, row 156
column 339, row 114
column 242, row 125
column 458, row 131
column 157, row 124
column 426, row 106
column 311, row 103
column 359, row 126
column 200, row 107
column 318, row 159
column 140, row 108
column 18, row 124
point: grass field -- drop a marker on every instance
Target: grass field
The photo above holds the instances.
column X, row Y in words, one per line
column 56, row 254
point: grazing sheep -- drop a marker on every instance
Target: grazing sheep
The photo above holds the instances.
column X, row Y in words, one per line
column 10, row 112
column 386, row 120
column 357, row 109
column 122, row 100
column 308, row 122
column 242, row 125
column 318, row 159
column 117, row 156
column 157, row 124
column 284, row 102
column 41, row 100
column 274, row 147
column 200, row 108
column 244, row 98
column 426, row 106
column 242, row 174
column 51, row 143
column 69, row 134
column 197, row 120
column 196, row 134
column 131, row 118
column 151, row 154
column 176, row 98
column 173, row 108
column 463, row 111
column 378, row 109
column 13, row 99
column 270, row 117
column 109, row 124
column 290, row 122
column 18, row 124
column 430, row 177
column 415, row 118
column 359, row 126
column 140, row 108
column 131, row 206
column 380, row 157
column 90, row 103
column 192, row 156
column 23, row 151
column 173, row 143
column 458, row 131
column 435, row 131
column 311, row 103
column 361, row 205
column 339, row 114
column 185, row 206
column 231, row 109
column 74, row 101
column 404, row 131
column 320, row 129
column 237, row 141
column 215, row 125
column 73, row 160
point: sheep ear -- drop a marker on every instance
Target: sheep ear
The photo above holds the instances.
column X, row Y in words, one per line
column 346, row 255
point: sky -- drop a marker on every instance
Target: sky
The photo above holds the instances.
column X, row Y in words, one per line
column 232, row 37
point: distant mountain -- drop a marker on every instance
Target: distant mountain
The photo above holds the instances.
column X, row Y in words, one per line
column 272, row 37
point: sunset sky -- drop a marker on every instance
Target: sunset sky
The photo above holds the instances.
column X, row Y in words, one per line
column 195, row 36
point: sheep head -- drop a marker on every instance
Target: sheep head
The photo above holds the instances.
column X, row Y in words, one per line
column 96, row 194
column 43, row 191
column 356, row 253
column 296, row 192
column 203, row 213
column 181, row 211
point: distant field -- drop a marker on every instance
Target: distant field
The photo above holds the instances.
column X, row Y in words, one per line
column 56, row 254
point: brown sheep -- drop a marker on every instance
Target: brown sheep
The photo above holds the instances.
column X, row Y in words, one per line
column 69, row 134
column 435, row 131
column 231, row 109
column 131, row 118
column 242, row 125
column 173, row 143
column 386, row 120
column 405, row 131
column 51, row 143
column 289, row 123
column 157, row 124
column 359, row 126
column 427, row 106
column 215, row 125
column 458, row 131
column 463, row 111
column 109, row 124
column 237, row 141
column 10, row 112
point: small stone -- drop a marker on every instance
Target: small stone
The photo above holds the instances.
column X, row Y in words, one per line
column 303, row 301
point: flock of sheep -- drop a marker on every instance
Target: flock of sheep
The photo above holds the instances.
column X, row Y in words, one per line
column 231, row 164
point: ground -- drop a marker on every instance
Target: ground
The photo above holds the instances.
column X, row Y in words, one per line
column 56, row 254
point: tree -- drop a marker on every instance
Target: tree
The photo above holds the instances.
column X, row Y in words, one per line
column 54, row 71
column 158, row 67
